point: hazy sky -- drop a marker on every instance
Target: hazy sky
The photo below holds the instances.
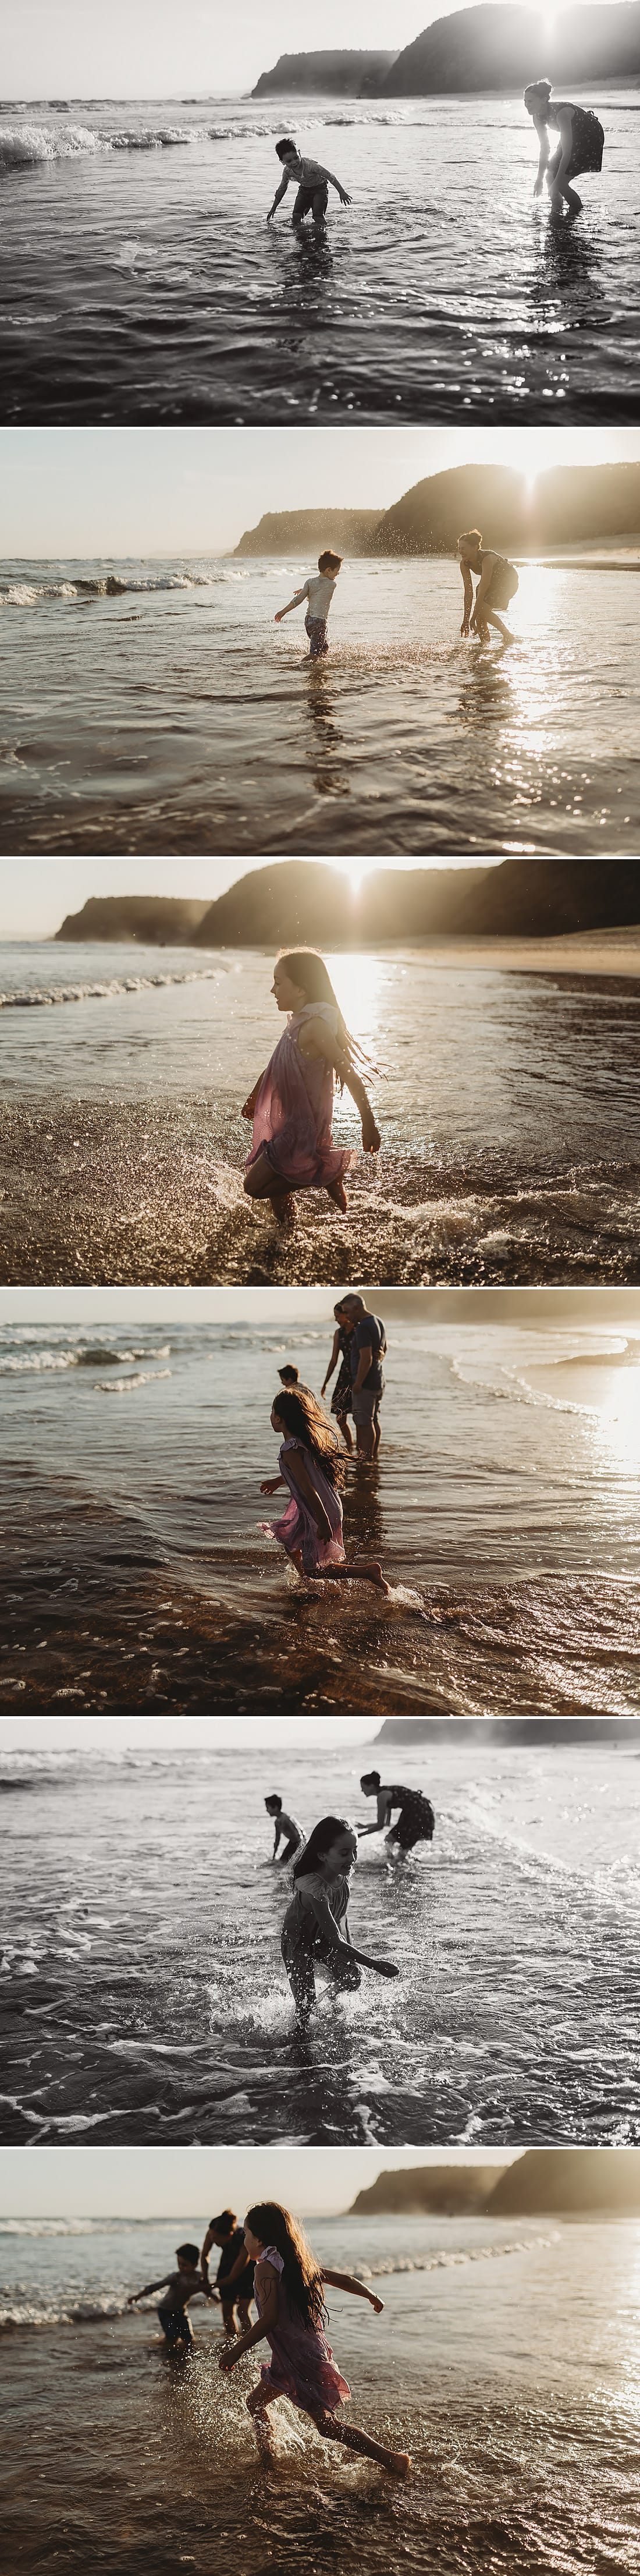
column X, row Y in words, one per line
column 39, row 908
column 285, row 1307
column 79, row 492
column 156, row 49
column 136, row 2182
column 211, row 1734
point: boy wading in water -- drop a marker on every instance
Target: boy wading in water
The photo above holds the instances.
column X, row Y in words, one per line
column 181, row 2286
column 234, row 2277
column 497, row 584
column 289, row 2288
column 318, row 591
column 581, row 145
column 313, row 184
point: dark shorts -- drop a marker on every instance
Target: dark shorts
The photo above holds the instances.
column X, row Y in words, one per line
column 176, row 2325
column 317, row 632
column 311, row 201
column 240, row 2289
column 293, row 1844
column 366, row 1404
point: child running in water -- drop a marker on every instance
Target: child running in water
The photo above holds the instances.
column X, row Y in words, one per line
column 310, row 1463
column 318, row 592
column 315, row 1931
column 181, row 2286
column 291, row 1105
column 289, row 2286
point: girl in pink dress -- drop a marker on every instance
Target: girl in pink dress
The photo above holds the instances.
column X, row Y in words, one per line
column 310, row 1463
column 288, row 2291
column 291, row 1106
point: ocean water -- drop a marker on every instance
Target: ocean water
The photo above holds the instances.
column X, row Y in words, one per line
column 156, row 707
column 143, row 1998
column 507, row 2360
column 504, row 1503
column 507, row 1102
column 140, row 281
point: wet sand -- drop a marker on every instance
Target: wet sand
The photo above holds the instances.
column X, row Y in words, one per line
column 138, row 1193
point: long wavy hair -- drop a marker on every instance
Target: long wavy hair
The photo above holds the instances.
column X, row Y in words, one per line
column 307, row 968
column 319, row 1843
column 305, row 1420
column 301, row 2275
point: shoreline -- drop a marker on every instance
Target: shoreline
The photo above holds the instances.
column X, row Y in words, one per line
column 139, row 1193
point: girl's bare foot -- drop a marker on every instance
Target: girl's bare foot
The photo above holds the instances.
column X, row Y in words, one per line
column 336, row 1191
column 400, row 2463
column 368, row 1566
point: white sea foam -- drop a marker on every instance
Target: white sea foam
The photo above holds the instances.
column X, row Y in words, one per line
column 23, row 146
column 48, row 996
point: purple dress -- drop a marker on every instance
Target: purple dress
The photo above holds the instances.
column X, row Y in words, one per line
column 294, row 1109
column 302, row 2366
column 296, row 1529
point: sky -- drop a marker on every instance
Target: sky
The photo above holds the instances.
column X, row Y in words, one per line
column 86, row 492
column 39, row 908
column 135, row 2182
column 284, row 1307
column 155, row 49
column 210, row 1734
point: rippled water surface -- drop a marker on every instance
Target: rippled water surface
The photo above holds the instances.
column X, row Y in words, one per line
column 172, row 715
column 508, row 2362
column 504, row 1506
column 139, row 279
column 129, row 2017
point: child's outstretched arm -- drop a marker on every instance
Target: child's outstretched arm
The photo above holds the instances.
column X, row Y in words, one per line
column 266, row 2321
column 270, row 1484
column 280, row 193
column 345, row 2281
column 330, row 176
column 542, row 132
column 148, row 2291
column 296, row 602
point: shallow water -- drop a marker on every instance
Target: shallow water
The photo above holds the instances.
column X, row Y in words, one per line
column 508, row 1512
column 524, row 2438
column 508, row 1105
column 176, row 717
column 130, row 2019
column 140, row 280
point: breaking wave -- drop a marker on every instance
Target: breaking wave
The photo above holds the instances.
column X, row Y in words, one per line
column 14, row 1363
column 23, row 146
column 45, row 997
column 110, row 585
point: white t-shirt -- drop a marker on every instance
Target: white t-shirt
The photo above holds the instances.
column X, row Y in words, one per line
column 319, row 590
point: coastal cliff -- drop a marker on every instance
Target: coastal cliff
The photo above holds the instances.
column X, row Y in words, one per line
column 333, row 74
column 154, row 918
column 571, row 505
column 544, row 2181
column 450, row 2190
column 502, row 47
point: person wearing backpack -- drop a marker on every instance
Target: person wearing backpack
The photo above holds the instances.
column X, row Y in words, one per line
column 367, row 1347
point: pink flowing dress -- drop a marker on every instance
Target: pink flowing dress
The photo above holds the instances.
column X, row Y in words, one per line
column 296, row 1529
column 302, row 2366
column 294, row 1109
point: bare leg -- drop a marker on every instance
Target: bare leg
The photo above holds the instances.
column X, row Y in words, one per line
column 336, row 1191
column 257, row 2404
column 399, row 2462
column 363, row 1569
column 505, row 631
column 366, row 1439
column 261, row 1183
column 343, row 1426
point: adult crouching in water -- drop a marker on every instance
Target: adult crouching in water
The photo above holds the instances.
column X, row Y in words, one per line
column 497, row 584
column 311, row 1463
column 291, row 1105
column 580, row 148
column 315, row 1932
